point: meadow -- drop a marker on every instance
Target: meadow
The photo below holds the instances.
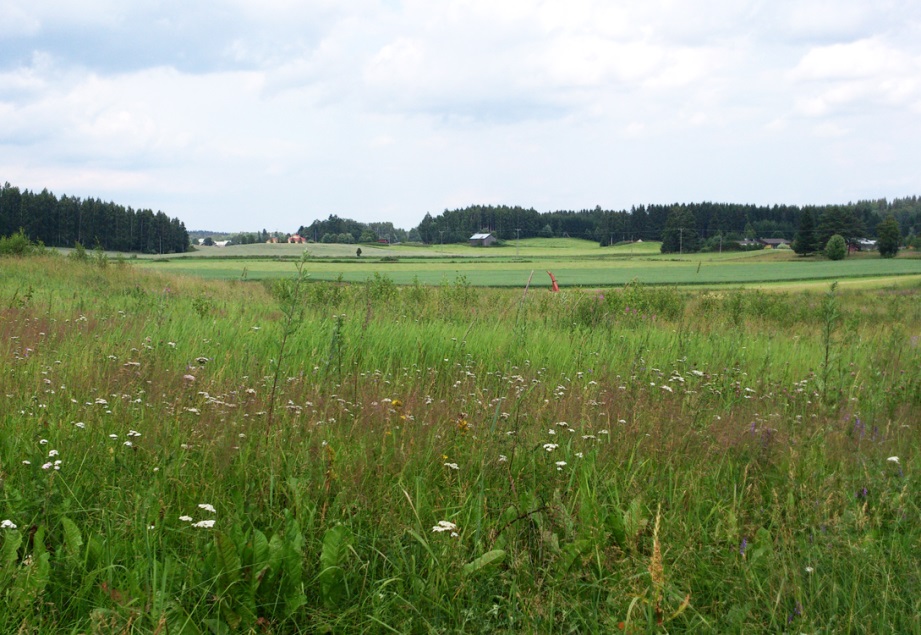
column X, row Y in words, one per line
column 295, row 455
column 573, row 262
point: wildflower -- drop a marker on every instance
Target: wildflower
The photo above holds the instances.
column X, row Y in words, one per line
column 204, row 524
column 444, row 525
column 27, row 462
column 743, row 546
column 42, row 441
column 453, row 466
column 53, row 452
column 551, row 431
column 113, row 436
column 560, row 465
column 187, row 519
column 7, row 524
column 550, row 447
column 579, row 454
column 893, row 459
column 809, row 569
column 667, row 388
column 502, row 458
column 80, row 425
column 47, row 466
column 128, row 444
column 133, row 433
column 189, row 377
column 207, row 507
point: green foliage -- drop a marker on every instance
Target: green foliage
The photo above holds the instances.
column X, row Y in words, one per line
column 888, row 237
column 806, row 241
column 836, row 248
column 740, row 463
column 16, row 245
column 680, row 234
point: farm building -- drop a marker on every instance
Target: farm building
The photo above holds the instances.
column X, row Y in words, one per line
column 774, row 243
column 482, row 240
column 296, row 238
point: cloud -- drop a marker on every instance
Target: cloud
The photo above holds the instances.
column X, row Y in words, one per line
column 211, row 111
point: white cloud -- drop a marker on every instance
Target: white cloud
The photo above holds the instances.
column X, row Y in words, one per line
column 398, row 108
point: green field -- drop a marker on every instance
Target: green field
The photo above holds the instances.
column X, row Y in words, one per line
column 198, row 456
column 573, row 263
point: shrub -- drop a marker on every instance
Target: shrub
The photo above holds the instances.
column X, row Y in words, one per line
column 17, row 244
column 836, row 248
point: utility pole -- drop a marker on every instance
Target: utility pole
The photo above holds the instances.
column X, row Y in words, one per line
column 517, row 239
column 680, row 240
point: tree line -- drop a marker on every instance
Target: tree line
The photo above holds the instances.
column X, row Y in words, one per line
column 700, row 222
column 67, row 221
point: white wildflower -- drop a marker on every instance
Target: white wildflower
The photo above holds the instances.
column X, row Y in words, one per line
column 204, row 524
column 207, row 507
column 502, row 458
column 47, row 466
column 550, row 447
column 809, row 569
column 893, row 459
column 444, row 525
column 453, row 466
column 80, row 425
column 187, row 519
column 42, row 441
column 560, row 465
column 7, row 524
column 53, row 453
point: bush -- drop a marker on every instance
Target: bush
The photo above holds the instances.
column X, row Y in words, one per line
column 17, row 244
column 836, row 248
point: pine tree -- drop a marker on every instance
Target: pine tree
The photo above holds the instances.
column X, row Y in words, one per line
column 805, row 240
column 888, row 237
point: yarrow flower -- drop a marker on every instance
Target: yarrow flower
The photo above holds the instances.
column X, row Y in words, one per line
column 207, row 507
column 187, row 519
column 560, row 465
column 453, row 466
column 204, row 524
column 7, row 524
column 445, row 525
column 893, row 459
column 550, row 447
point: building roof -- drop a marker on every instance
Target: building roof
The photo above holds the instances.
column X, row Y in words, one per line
column 480, row 236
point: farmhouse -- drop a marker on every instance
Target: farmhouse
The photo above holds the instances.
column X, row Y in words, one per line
column 774, row 243
column 482, row 240
column 296, row 238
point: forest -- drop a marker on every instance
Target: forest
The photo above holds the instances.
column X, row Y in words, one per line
column 66, row 221
column 650, row 222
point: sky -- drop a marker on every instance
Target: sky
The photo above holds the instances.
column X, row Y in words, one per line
column 242, row 115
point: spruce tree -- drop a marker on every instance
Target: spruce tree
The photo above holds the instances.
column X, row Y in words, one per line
column 805, row 240
column 888, row 237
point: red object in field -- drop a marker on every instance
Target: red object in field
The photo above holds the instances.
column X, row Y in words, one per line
column 555, row 287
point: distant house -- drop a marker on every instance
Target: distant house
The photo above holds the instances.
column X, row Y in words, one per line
column 221, row 243
column 482, row 240
column 272, row 240
column 864, row 244
column 774, row 243
column 748, row 243
column 296, row 239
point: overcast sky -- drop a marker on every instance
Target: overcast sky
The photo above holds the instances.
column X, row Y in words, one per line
column 244, row 114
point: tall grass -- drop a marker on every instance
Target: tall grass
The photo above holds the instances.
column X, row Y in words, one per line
column 452, row 459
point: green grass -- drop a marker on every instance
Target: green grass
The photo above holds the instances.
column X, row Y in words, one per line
column 570, row 269
column 637, row 459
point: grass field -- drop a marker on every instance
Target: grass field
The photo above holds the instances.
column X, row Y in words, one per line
column 182, row 455
column 573, row 263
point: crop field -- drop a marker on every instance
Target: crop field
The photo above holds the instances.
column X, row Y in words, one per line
column 572, row 262
column 183, row 455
